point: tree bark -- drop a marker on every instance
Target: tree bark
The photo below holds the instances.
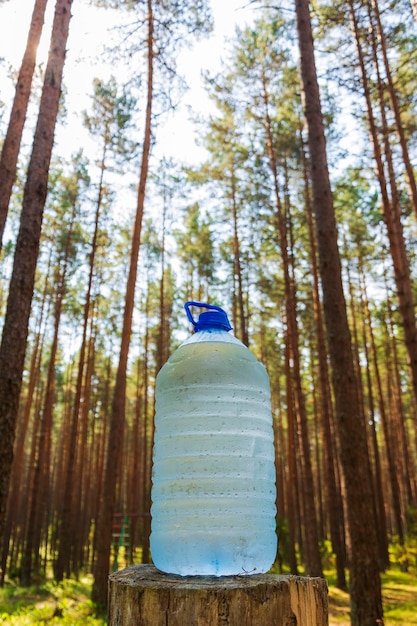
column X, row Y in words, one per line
column 395, row 107
column 15, row 493
column 365, row 583
column 15, row 329
column 334, row 507
column 143, row 595
column 12, row 141
column 390, row 203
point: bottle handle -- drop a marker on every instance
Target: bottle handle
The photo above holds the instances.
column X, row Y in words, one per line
column 200, row 305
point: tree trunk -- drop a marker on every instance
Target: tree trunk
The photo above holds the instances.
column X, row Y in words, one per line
column 115, row 438
column 292, row 465
column 143, row 595
column 237, row 268
column 100, row 453
column 15, row 329
column 19, row 448
column 42, row 477
column 335, row 510
column 395, row 107
column 379, row 491
column 146, row 452
column 82, row 511
column 12, row 141
column 365, row 583
column 391, row 206
column 312, row 552
column 66, row 531
column 41, row 483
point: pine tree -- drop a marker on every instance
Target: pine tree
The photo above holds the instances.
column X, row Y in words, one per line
column 365, row 583
column 158, row 33
column 13, row 345
column 12, row 141
column 108, row 121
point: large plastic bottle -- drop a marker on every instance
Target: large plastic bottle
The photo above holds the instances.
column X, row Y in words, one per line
column 213, row 492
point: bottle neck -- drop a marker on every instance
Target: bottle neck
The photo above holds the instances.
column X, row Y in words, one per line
column 212, row 334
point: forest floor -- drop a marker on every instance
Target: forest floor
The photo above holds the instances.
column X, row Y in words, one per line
column 69, row 604
column 399, row 592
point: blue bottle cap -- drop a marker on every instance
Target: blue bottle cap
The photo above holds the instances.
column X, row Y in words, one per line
column 214, row 318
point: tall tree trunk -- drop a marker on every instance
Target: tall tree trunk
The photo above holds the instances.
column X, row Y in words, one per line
column 311, row 537
column 42, row 476
column 313, row 559
column 82, row 514
column 145, row 451
column 399, row 439
column 19, row 451
column 15, row 329
column 390, row 205
column 26, row 495
column 135, row 477
column 66, row 532
column 395, row 107
column 335, row 509
column 115, row 438
column 292, row 465
column 237, row 268
column 390, row 449
column 162, row 337
column 99, row 462
column 365, row 583
column 12, row 141
column 367, row 329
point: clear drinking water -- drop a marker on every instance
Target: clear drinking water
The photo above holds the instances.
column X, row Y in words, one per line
column 213, row 494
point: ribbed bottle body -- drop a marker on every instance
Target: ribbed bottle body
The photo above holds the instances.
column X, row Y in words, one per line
column 213, row 492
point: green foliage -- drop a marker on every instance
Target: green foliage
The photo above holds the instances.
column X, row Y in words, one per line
column 110, row 118
column 66, row 604
column 404, row 555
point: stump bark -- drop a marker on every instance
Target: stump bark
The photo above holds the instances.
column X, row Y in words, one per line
column 143, row 596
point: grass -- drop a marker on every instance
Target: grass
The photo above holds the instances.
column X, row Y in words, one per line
column 399, row 593
column 68, row 603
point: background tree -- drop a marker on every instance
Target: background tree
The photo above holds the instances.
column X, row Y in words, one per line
column 66, row 219
column 109, row 121
column 191, row 21
column 11, row 145
column 365, row 584
column 195, row 248
column 13, row 345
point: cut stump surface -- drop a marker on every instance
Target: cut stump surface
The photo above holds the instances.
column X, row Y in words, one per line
column 141, row 595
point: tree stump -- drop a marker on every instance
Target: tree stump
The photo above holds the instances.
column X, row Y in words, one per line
column 143, row 596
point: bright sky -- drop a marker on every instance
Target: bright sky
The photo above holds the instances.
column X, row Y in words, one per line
column 90, row 27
